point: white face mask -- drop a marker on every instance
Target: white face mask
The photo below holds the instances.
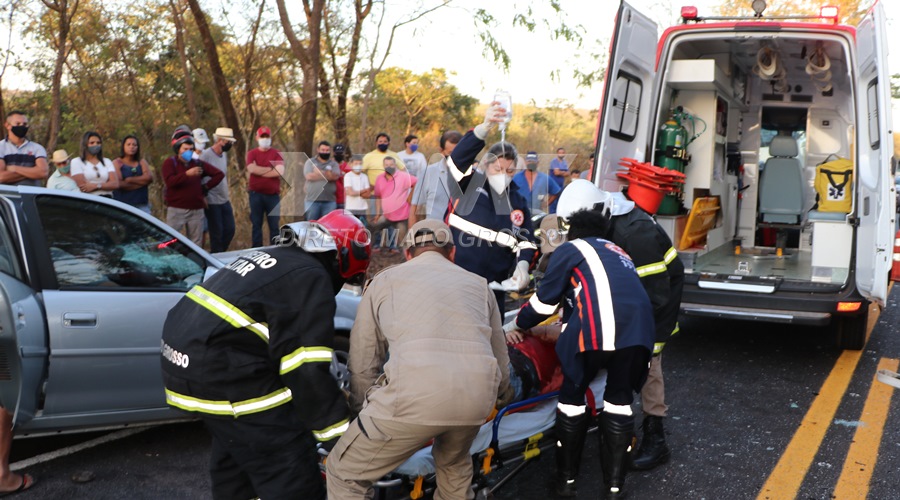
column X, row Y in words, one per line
column 357, row 169
column 498, row 182
column 195, row 155
column 265, row 142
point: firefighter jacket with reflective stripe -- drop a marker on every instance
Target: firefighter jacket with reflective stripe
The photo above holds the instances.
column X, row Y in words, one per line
column 491, row 232
column 605, row 308
column 257, row 335
column 657, row 263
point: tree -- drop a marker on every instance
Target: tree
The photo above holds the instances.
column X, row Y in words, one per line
column 222, row 91
column 177, row 12
column 309, row 55
column 65, row 12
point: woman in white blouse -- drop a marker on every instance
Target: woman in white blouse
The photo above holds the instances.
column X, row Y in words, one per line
column 92, row 172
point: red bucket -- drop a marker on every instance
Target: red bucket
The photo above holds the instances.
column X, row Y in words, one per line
column 645, row 195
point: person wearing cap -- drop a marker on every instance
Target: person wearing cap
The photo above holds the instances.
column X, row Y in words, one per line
column 201, row 139
column 662, row 275
column 185, row 190
column 537, row 187
column 412, row 158
column 490, row 219
column 417, row 324
column 22, row 162
column 249, row 351
column 135, row 175
column 61, row 179
column 432, row 196
column 265, row 166
column 219, row 214
column 607, row 324
column 321, row 174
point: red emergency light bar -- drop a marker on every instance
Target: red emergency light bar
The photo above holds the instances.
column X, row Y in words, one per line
column 689, row 13
column 828, row 12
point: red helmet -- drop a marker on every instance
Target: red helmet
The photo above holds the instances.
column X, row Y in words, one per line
column 352, row 242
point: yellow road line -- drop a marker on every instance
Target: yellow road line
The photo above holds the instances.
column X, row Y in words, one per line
column 863, row 454
column 788, row 475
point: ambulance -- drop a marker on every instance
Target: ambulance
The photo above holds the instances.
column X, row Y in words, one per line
column 782, row 129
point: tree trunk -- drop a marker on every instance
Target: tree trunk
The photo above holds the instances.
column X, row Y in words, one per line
column 61, row 7
column 220, row 85
column 309, row 57
column 185, row 68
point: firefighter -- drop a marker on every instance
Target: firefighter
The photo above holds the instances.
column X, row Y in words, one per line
column 489, row 218
column 662, row 274
column 249, row 351
column 607, row 324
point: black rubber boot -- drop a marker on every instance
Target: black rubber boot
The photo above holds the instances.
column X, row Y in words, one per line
column 653, row 450
column 570, row 434
column 616, row 439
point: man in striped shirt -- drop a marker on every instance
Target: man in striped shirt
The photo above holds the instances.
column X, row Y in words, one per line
column 22, row 162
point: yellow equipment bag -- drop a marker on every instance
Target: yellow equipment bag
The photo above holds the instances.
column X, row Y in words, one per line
column 834, row 186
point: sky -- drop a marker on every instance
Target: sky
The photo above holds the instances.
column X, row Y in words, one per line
column 535, row 56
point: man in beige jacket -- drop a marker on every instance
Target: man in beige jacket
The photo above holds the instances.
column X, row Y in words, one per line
column 436, row 331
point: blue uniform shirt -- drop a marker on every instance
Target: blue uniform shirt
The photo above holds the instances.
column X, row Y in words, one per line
column 542, row 188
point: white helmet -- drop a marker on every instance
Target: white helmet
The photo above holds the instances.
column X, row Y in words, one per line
column 582, row 194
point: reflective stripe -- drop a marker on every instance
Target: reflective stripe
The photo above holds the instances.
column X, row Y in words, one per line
column 604, row 293
column 571, row 410
column 677, row 329
column 304, row 355
column 658, row 347
column 333, row 431
column 671, row 253
column 541, row 308
column 617, row 409
column 457, row 173
column 223, row 309
column 255, row 405
column 649, row 269
column 499, row 237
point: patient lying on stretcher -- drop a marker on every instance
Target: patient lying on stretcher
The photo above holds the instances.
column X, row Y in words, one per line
column 533, row 365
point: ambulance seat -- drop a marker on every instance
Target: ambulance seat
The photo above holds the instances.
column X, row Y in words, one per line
column 781, row 183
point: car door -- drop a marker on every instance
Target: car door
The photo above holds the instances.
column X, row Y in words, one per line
column 116, row 275
column 23, row 351
column 623, row 130
column 875, row 205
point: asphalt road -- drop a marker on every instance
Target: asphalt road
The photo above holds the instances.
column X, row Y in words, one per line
column 756, row 411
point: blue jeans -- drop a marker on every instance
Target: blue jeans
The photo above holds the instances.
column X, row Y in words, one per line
column 315, row 210
column 263, row 205
column 221, row 226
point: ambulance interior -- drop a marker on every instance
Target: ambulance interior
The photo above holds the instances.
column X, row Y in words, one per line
column 760, row 113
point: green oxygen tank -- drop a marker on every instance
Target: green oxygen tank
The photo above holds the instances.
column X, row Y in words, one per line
column 670, row 144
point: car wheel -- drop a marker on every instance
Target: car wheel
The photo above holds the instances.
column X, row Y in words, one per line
column 339, row 368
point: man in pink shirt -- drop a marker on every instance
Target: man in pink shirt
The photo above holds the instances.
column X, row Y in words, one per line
column 393, row 191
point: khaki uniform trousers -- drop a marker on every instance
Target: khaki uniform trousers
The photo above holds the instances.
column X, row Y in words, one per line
column 362, row 457
column 653, row 394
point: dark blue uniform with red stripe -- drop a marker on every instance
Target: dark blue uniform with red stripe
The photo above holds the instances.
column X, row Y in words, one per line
column 605, row 307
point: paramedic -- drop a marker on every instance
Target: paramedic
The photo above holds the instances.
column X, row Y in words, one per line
column 420, row 321
column 607, row 323
column 490, row 219
column 662, row 274
column 256, row 337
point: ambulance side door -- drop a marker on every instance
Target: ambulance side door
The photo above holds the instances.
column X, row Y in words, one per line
column 875, row 204
column 624, row 128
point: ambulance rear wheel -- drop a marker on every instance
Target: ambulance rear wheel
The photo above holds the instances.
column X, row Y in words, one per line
column 850, row 331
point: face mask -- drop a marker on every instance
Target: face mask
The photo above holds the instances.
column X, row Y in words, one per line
column 63, row 170
column 187, row 156
column 390, row 170
column 531, row 166
column 413, row 147
column 498, row 182
column 265, row 142
column 324, row 156
column 20, row 131
column 382, row 147
column 95, row 150
column 226, row 147
column 195, row 155
column 357, row 168
column 339, row 157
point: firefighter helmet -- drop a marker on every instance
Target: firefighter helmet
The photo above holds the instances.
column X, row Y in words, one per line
column 582, row 194
column 337, row 231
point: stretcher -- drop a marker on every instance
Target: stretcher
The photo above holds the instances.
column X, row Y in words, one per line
column 517, row 434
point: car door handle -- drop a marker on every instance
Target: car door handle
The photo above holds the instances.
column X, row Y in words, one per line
column 80, row 320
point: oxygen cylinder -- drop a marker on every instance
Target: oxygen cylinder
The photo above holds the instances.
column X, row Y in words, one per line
column 670, row 144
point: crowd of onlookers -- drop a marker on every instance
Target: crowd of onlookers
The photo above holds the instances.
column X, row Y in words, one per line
column 389, row 191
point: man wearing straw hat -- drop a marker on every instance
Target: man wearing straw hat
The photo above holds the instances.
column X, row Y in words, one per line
column 219, row 215
column 61, row 179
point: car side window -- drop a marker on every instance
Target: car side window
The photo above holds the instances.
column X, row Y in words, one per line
column 9, row 263
column 93, row 245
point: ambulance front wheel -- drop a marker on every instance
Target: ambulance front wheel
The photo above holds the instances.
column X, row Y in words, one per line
column 850, row 331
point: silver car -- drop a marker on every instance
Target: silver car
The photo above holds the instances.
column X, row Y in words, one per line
column 86, row 283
